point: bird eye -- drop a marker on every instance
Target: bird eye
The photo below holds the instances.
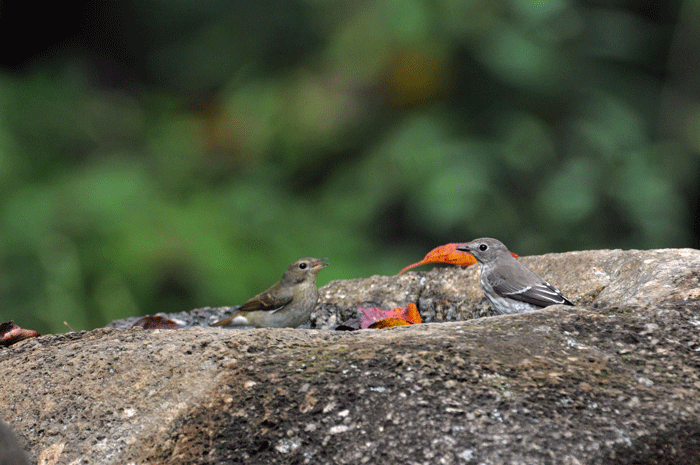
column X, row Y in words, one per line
column 483, row 247
column 302, row 266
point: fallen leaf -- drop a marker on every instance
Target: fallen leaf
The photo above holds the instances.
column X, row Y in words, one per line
column 412, row 315
column 389, row 323
column 156, row 322
column 373, row 317
column 10, row 333
column 449, row 254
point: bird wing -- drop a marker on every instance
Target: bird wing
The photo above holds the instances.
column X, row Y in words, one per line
column 527, row 287
column 271, row 300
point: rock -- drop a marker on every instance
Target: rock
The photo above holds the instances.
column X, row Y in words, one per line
column 11, row 452
column 598, row 278
column 615, row 380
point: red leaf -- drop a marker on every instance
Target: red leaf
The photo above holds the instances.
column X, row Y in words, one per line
column 156, row 322
column 374, row 315
column 371, row 315
column 10, row 333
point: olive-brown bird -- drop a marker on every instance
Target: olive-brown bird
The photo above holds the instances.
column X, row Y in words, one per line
column 287, row 304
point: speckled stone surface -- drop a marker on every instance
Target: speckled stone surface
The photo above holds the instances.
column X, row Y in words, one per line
column 614, row 381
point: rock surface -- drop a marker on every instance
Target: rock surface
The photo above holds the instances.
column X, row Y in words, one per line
column 614, row 380
column 11, row 451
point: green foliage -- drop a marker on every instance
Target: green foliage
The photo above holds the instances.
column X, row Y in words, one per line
column 253, row 134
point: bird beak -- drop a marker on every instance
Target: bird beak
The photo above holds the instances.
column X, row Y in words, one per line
column 319, row 264
column 465, row 247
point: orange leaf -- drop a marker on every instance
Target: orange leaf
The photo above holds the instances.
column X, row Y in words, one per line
column 449, row 254
column 371, row 317
column 412, row 315
column 389, row 323
column 403, row 316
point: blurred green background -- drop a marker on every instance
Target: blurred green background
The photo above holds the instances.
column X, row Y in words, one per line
column 166, row 155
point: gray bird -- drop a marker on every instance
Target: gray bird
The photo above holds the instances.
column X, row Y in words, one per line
column 508, row 284
column 287, row 304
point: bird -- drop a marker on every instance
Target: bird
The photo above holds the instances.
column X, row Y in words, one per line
column 508, row 284
column 287, row 303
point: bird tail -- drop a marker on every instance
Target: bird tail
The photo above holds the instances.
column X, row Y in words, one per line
column 233, row 320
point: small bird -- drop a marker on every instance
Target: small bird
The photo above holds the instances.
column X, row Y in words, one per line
column 287, row 304
column 508, row 284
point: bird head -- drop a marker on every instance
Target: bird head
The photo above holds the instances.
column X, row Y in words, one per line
column 485, row 249
column 305, row 268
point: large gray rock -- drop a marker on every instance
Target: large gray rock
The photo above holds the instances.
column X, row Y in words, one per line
column 615, row 380
column 600, row 278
